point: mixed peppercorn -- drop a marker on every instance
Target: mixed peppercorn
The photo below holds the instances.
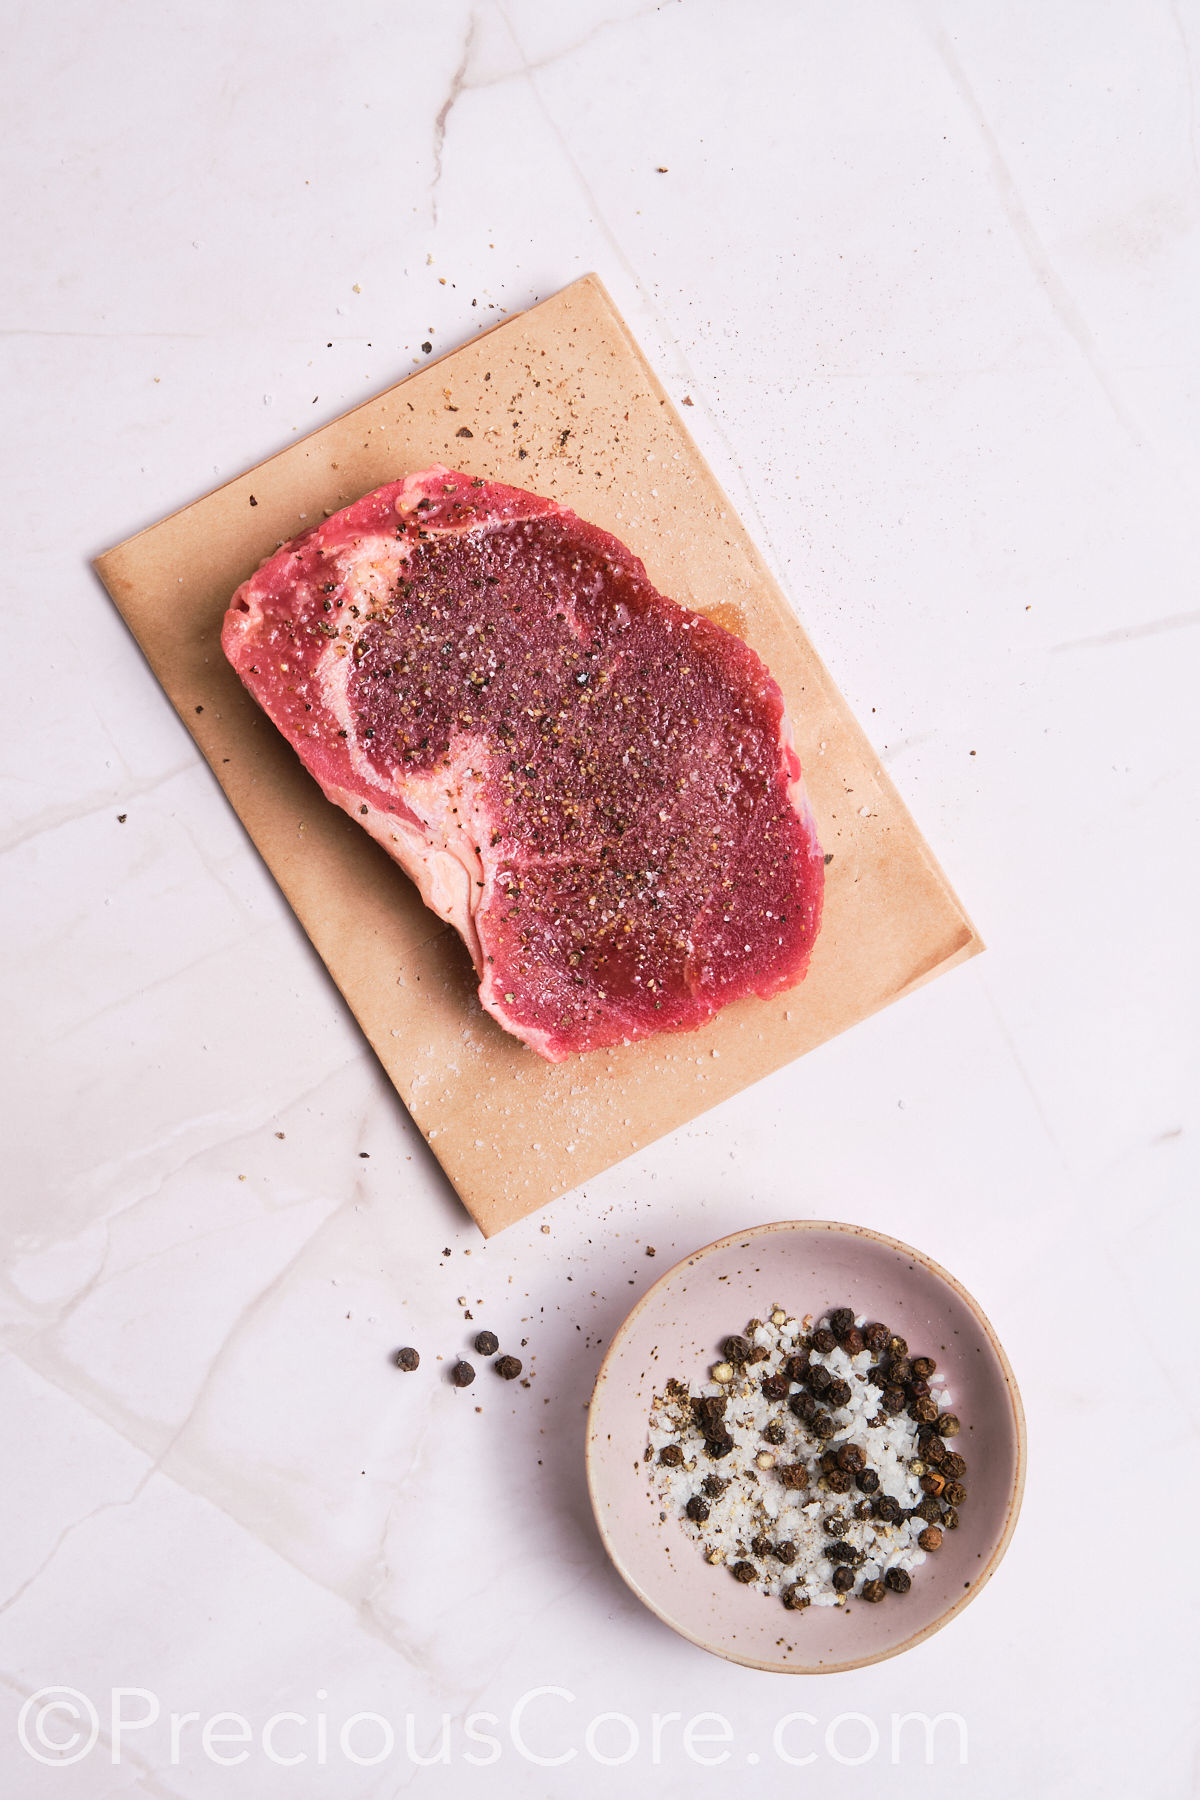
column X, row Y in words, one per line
column 912, row 1443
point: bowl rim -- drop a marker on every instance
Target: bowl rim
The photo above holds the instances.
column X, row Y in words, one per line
column 1016, row 1495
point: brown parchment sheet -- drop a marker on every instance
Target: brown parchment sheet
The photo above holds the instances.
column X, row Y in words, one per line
column 558, row 399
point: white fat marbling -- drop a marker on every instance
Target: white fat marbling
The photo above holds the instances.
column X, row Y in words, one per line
column 927, row 275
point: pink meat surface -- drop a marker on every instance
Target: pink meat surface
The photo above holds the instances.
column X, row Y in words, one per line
column 596, row 787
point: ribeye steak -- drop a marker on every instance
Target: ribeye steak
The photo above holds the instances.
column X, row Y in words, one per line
column 595, row 786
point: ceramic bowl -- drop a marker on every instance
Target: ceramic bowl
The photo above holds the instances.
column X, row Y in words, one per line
column 806, row 1266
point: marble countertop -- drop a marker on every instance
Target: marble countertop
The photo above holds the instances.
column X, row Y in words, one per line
column 928, row 275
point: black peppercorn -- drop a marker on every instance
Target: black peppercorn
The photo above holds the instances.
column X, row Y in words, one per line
column 876, row 1337
column 837, row 1481
column 893, row 1400
column 873, row 1592
column 932, row 1450
column 841, row 1320
column 834, row 1525
column 925, row 1410
column 819, row 1379
column 954, row 1493
column 760, row 1545
column 853, row 1343
column 719, row 1446
column 923, row 1366
column 714, row 1486
column 837, row 1393
column 509, row 1367
column 843, row 1579
column 824, row 1340
column 954, row 1465
column 796, row 1367
column 823, row 1426
column 933, row 1482
column 697, row 1508
column 877, row 1375
column 899, row 1370
column 886, row 1510
column 487, row 1343
column 462, row 1374
column 793, row 1475
column 671, row 1456
column 867, row 1481
column 899, row 1580
column 785, row 1552
column 862, row 1509
column 949, row 1519
column 795, row 1598
column 408, row 1359
column 930, row 1538
column 839, row 1551
column 929, row 1510
column 852, row 1458
column 744, row 1572
column 736, row 1350
column 708, row 1410
column 897, row 1347
column 775, row 1432
column 774, row 1387
column 948, row 1426
column 918, row 1388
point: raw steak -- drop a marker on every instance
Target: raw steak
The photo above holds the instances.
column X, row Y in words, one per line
column 594, row 786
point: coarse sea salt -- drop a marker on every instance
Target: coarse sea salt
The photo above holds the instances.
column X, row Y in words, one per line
column 755, row 1502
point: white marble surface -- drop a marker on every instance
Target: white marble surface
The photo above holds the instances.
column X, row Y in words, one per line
column 928, row 272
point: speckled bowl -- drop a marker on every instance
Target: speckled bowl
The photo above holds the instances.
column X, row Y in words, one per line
column 675, row 1329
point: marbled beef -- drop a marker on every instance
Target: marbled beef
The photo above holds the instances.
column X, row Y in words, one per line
column 594, row 786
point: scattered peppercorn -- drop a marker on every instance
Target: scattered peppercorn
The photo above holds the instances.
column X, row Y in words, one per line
column 923, row 1366
column 775, row 1432
column 929, row 1510
column 803, row 1406
column 954, row 1493
column 510, row 1368
column 841, row 1320
column 736, row 1350
column 873, row 1592
column 852, row 1458
column 843, row 1579
column 954, row 1465
column 794, row 1598
column 930, row 1538
column 760, row 1545
column 697, row 1509
column 948, row 1426
column 824, row 1340
column 899, row 1370
column 819, row 1380
column 949, row 1519
column 671, row 1456
column 876, row 1337
column 837, row 1481
column 893, row 1400
column 924, row 1410
column 796, row 1367
column 933, row 1482
column 838, row 1393
column 462, row 1374
column 408, row 1359
column 899, row 1580
column 834, row 1525
column 853, row 1343
column 793, row 1475
column 774, row 1387
column 714, row 1486
column 897, row 1347
column 886, row 1510
column 785, row 1552
column 867, row 1481
column 823, row 1426
column 487, row 1343
column 719, row 1446
column 745, row 1572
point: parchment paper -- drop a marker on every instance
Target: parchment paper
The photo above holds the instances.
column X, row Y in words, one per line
column 560, row 400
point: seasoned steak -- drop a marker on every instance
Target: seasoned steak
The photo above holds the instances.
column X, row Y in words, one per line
column 594, row 786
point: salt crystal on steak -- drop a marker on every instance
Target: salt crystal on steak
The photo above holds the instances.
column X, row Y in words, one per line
column 596, row 787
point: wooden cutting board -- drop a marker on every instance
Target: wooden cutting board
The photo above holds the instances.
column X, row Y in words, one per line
column 558, row 399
